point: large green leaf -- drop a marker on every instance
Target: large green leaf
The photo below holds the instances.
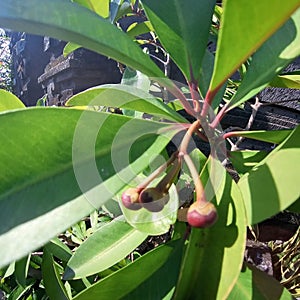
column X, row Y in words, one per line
column 104, row 248
column 57, row 165
column 9, row 101
column 183, row 28
column 69, row 21
column 124, row 281
column 273, row 184
column 244, row 27
column 214, row 256
column 124, row 96
column 276, row 53
column 255, row 284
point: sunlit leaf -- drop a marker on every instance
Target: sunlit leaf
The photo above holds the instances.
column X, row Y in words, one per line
column 51, row 176
column 104, row 248
column 286, row 81
column 100, row 7
column 124, row 281
column 275, row 54
column 9, row 101
column 250, row 25
column 136, row 29
column 125, row 96
column 243, row 161
column 272, row 185
column 269, row 136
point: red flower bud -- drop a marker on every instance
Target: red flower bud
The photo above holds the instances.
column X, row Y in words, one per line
column 202, row 214
column 130, row 199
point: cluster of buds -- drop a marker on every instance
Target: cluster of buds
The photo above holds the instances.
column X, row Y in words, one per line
column 152, row 198
column 200, row 214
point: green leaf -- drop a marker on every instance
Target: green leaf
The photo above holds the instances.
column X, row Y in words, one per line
column 104, row 248
column 74, row 23
column 69, row 48
column 295, row 207
column 9, row 101
column 275, row 54
column 255, row 284
column 136, row 79
column 163, row 281
column 21, row 270
column 136, row 29
column 182, row 27
column 244, row 161
column 286, row 81
column 59, row 249
column 273, row 184
column 269, row 136
column 124, row 281
column 100, row 7
column 87, row 156
column 124, row 96
column 250, row 25
column 214, row 256
column 51, row 278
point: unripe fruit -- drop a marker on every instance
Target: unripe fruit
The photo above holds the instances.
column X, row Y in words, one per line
column 130, row 199
column 202, row 214
column 152, row 199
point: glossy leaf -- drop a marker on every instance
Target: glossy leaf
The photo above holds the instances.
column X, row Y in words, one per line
column 269, row 136
column 272, row 185
column 286, row 81
column 104, row 248
column 58, row 249
column 124, row 281
column 136, row 29
column 161, row 284
column 100, row 7
column 124, row 96
column 214, row 256
column 51, row 278
column 275, row 54
column 9, row 101
column 66, row 23
column 250, row 25
column 21, row 270
column 182, row 27
column 69, row 48
column 243, row 161
column 87, row 156
column 255, row 284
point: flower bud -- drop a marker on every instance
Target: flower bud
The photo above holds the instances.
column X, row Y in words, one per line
column 130, row 199
column 202, row 214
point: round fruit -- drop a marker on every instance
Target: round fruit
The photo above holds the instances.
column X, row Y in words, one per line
column 130, row 199
column 202, row 214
